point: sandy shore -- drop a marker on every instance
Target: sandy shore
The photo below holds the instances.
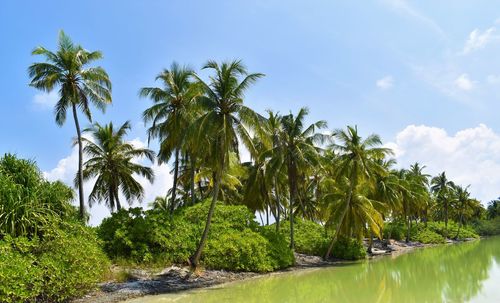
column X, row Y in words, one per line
column 176, row 279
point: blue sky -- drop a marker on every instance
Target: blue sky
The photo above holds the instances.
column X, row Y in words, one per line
column 424, row 75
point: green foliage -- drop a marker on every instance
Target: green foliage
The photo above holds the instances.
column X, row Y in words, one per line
column 310, row 237
column 235, row 241
column 348, row 249
column 488, row 227
column 395, row 230
column 240, row 251
column 66, row 263
column 29, row 202
column 428, row 236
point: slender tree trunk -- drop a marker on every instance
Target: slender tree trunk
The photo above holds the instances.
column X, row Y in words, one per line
column 80, row 165
column 408, row 222
column 278, row 207
column 118, row 205
column 370, row 242
column 293, row 190
column 446, row 220
column 195, row 259
column 267, row 215
column 459, row 224
column 193, row 195
column 174, row 188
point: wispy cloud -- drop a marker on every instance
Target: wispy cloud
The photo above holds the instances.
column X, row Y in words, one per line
column 478, row 40
column 463, row 82
column 45, row 100
column 404, row 8
column 385, row 83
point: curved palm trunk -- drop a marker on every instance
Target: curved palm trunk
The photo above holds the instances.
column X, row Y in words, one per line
column 344, row 213
column 174, row 188
column 446, row 219
column 408, row 231
column 80, row 165
column 337, row 230
column 195, row 259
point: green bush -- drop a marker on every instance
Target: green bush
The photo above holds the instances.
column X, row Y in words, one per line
column 395, row 230
column 45, row 254
column 241, row 251
column 348, row 249
column 310, row 237
column 428, row 236
column 66, row 263
column 235, row 240
column 488, row 227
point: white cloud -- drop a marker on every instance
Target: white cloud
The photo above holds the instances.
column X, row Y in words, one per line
column 470, row 156
column 478, row 40
column 45, row 100
column 385, row 83
column 493, row 79
column 403, row 7
column 66, row 169
column 463, row 82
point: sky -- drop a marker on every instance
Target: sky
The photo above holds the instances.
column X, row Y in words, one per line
column 424, row 75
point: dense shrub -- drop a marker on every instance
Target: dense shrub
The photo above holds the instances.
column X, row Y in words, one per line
column 310, row 237
column 348, row 249
column 45, row 254
column 235, row 241
column 488, row 227
column 428, row 236
column 66, row 263
column 395, row 230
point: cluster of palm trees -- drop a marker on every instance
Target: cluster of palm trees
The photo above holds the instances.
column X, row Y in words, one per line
column 337, row 178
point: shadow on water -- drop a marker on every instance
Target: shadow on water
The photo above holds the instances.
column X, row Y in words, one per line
column 442, row 274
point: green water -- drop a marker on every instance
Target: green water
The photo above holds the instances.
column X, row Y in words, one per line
column 467, row 272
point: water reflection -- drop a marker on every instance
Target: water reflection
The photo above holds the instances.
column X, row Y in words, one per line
column 444, row 274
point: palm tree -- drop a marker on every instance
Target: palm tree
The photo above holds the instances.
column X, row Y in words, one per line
column 111, row 161
column 295, row 151
column 461, row 200
column 493, row 209
column 79, row 86
column 441, row 187
column 225, row 120
column 171, row 114
column 356, row 163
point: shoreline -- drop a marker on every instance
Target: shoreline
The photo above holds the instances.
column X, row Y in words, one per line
column 175, row 279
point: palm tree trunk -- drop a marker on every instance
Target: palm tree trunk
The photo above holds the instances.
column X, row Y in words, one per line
column 195, row 259
column 408, row 222
column 370, row 242
column 80, row 165
column 174, row 187
column 278, row 206
column 291, row 180
column 193, row 195
column 446, row 220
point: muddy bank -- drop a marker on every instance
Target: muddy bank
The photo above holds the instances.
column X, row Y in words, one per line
column 176, row 279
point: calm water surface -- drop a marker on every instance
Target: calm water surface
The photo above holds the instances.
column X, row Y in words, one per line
column 467, row 272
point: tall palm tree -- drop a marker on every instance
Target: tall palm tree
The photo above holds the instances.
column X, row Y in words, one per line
column 295, row 151
column 461, row 200
column 356, row 163
column 171, row 114
column 80, row 85
column 225, row 120
column 112, row 162
column 441, row 187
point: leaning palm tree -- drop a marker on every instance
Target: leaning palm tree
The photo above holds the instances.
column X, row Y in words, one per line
column 171, row 114
column 79, row 86
column 225, row 120
column 356, row 164
column 296, row 151
column 113, row 163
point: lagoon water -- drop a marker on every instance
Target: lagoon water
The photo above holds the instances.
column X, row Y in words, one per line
column 468, row 272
